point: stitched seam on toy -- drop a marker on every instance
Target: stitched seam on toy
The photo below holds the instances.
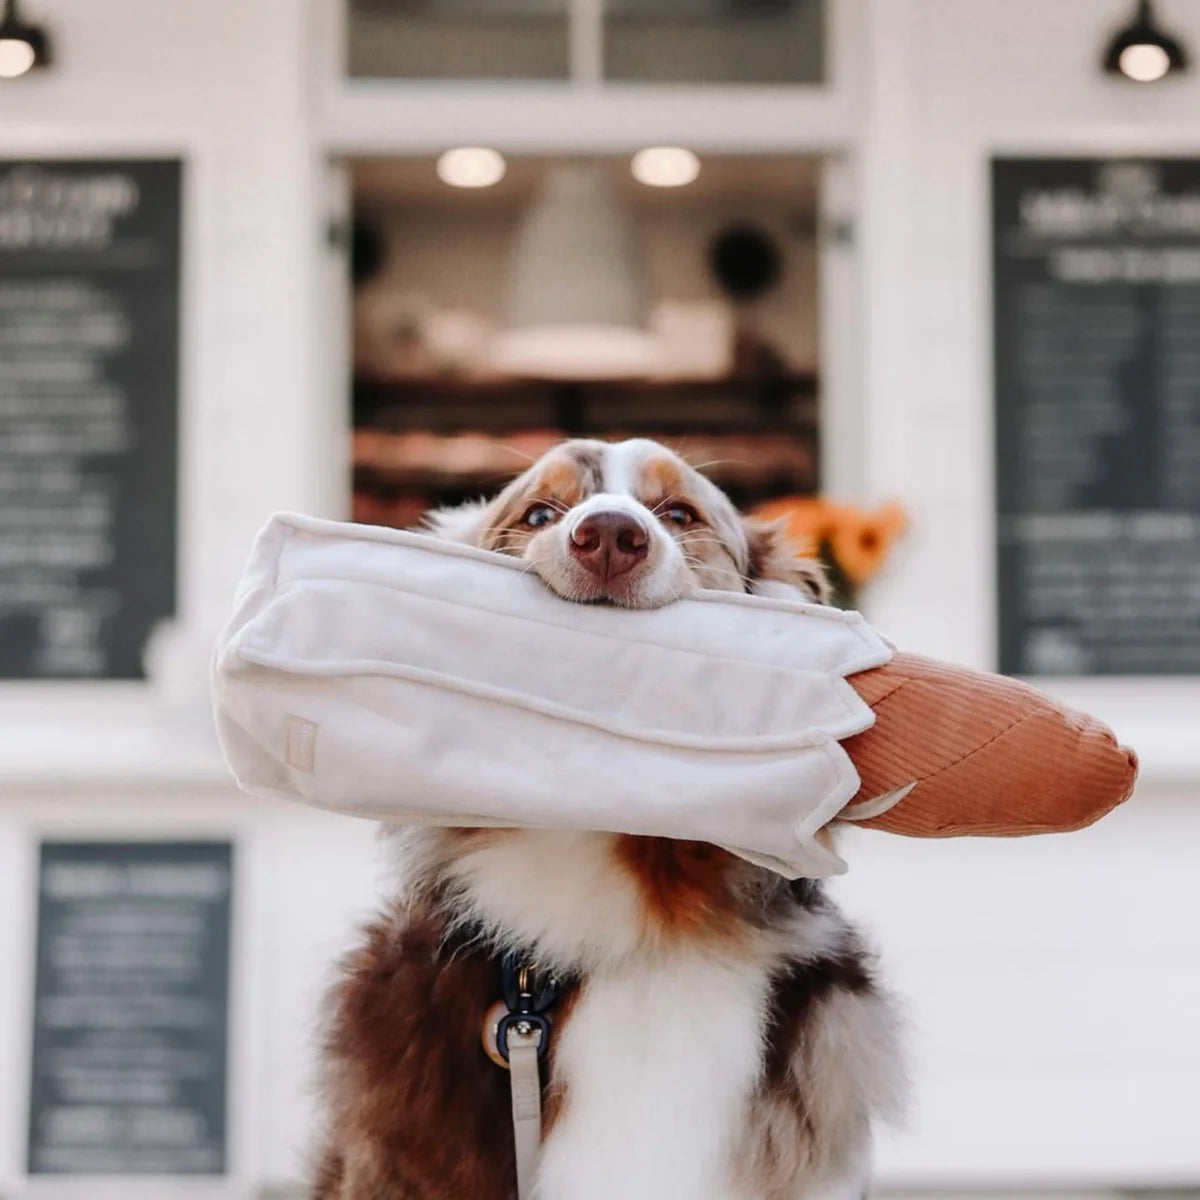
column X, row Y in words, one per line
column 896, row 685
column 852, row 622
column 832, row 674
column 540, row 620
column 771, row 743
column 334, row 531
column 976, row 749
column 851, row 704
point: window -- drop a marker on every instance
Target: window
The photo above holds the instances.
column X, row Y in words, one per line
column 457, row 39
column 641, row 41
column 715, row 41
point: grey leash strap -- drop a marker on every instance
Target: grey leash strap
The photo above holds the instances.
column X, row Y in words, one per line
column 526, row 1082
column 516, row 1036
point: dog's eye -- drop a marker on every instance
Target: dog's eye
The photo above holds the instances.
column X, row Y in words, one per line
column 538, row 515
column 681, row 515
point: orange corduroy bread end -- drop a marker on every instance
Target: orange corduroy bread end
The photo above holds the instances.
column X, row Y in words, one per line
column 986, row 755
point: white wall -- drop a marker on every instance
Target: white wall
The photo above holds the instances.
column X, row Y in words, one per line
column 227, row 86
column 1053, row 983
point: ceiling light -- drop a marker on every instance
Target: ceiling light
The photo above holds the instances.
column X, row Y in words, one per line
column 22, row 46
column 471, row 167
column 1142, row 50
column 665, row 166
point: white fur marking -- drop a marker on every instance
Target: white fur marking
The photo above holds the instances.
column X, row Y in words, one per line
column 659, row 1062
column 561, row 891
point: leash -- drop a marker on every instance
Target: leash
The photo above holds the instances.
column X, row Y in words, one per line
column 516, row 1036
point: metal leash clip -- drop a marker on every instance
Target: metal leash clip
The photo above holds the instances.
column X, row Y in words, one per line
column 516, row 1036
column 528, row 998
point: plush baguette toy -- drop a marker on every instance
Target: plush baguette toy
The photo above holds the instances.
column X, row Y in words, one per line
column 396, row 676
column 985, row 755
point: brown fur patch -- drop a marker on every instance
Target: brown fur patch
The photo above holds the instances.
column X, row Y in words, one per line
column 774, row 555
column 563, row 480
column 796, row 993
column 823, row 1075
column 327, row 1183
column 418, row 1111
column 660, row 479
column 686, row 887
column 712, row 557
column 408, row 1067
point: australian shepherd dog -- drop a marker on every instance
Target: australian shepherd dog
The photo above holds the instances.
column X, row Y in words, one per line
column 719, row 1034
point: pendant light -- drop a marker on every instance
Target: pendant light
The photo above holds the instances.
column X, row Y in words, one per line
column 1142, row 51
column 23, row 47
column 577, row 303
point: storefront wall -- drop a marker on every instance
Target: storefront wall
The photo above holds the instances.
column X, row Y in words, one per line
column 1052, row 984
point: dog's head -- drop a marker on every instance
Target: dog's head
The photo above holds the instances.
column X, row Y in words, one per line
column 630, row 523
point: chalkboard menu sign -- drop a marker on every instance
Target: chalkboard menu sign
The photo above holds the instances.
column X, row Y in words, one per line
column 89, row 364
column 130, row 1017
column 1097, row 361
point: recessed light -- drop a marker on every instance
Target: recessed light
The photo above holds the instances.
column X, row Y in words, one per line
column 665, row 166
column 471, row 167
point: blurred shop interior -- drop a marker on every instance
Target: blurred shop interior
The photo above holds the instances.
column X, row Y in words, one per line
column 579, row 298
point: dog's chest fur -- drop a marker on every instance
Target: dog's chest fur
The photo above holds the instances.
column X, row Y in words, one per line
column 681, row 1062
column 654, row 1070
column 657, row 1065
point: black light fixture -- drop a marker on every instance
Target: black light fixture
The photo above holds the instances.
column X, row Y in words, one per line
column 1142, row 50
column 22, row 46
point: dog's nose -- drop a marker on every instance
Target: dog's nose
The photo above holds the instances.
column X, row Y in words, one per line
column 609, row 543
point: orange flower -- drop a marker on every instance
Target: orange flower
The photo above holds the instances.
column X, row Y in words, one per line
column 860, row 541
column 857, row 541
column 807, row 520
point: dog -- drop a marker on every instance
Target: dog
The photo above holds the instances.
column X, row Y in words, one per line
column 720, row 1033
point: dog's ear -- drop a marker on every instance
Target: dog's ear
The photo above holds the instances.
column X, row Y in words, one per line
column 779, row 566
column 460, row 523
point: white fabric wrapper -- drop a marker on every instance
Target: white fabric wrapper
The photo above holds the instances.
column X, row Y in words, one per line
column 396, row 676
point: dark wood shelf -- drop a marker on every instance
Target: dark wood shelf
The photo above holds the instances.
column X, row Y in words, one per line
column 578, row 408
column 423, row 442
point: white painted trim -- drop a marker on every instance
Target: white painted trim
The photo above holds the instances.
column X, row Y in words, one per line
column 21, row 906
column 585, row 42
column 839, row 324
column 586, row 116
column 552, row 119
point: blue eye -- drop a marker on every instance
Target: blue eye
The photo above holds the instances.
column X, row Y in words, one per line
column 539, row 515
column 681, row 515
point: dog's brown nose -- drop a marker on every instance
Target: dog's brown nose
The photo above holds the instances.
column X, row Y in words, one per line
column 609, row 543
